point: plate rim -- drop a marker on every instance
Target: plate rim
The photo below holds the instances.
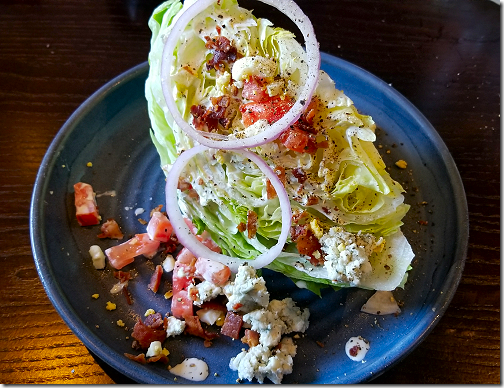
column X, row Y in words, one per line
column 106, row 353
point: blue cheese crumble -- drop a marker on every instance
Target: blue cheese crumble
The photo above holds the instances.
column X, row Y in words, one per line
column 262, row 362
column 247, row 291
column 347, row 254
column 279, row 318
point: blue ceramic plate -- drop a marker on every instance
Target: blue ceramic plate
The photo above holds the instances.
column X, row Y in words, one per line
column 111, row 130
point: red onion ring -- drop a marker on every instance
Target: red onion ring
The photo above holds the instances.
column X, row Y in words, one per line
column 189, row 240
column 289, row 8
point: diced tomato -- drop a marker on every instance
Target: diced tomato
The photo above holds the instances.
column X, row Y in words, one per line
column 254, row 89
column 232, row 325
column 159, row 227
column 182, row 305
column 155, row 280
column 212, row 271
column 271, row 110
column 298, row 140
column 183, row 271
column 85, row 205
column 125, row 253
column 111, row 229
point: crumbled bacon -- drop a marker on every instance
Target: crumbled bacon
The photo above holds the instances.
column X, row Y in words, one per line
column 172, row 244
column 306, row 242
column 299, row 174
column 280, row 171
column 152, row 329
column 223, row 51
column 270, row 190
column 251, row 338
column 111, row 229
column 127, row 295
column 232, row 325
column 211, row 118
column 312, row 200
column 156, row 209
column 251, row 223
column 122, row 276
column 162, row 357
column 193, row 327
column 242, row 227
column 155, row 280
column 140, row 358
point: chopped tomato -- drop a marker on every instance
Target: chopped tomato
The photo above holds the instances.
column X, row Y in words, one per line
column 183, row 271
column 111, row 229
column 254, row 89
column 159, row 227
column 271, row 110
column 182, row 305
column 212, row 271
column 155, row 280
column 298, row 140
column 85, row 205
column 125, row 253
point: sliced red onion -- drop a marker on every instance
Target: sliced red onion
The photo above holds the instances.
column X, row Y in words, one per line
column 189, row 240
column 289, row 8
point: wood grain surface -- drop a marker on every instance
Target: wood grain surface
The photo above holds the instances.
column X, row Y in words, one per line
column 444, row 56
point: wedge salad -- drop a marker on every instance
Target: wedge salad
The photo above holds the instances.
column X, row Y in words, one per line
column 262, row 151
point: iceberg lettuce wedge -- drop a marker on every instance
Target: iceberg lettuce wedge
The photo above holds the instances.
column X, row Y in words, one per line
column 342, row 184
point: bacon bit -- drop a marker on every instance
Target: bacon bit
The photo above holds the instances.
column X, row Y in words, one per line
column 236, row 306
column 188, row 69
column 211, row 118
column 110, row 229
column 251, row 223
column 354, row 350
column 306, row 242
column 312, row 200
column 172, row 244
column 251, row 338
column 280, row 171
column 270, row 190
column 207, row 343
column 320, row 344
column 122, row 276
column 309, row 114
column 222, row 51
column 299, row 174
column 242, row 227
column 155, row 280
column 142, row 221
column 193, row 327
column 127, row 295
column 150, row 330
column 139, row 358
column 156, row 209
column 423, row 222
column 162, row 357
column 299, row 217
column 232, row 325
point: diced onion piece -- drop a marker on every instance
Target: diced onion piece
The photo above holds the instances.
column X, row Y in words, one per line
column 290, row 9
column 191, row 242
column 381, row 303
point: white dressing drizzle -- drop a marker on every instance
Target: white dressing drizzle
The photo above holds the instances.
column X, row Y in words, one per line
column 191, row 369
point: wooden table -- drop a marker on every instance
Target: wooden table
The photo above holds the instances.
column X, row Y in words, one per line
column 444, row 56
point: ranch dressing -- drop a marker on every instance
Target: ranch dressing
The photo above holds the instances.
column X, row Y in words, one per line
column 191, row 369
